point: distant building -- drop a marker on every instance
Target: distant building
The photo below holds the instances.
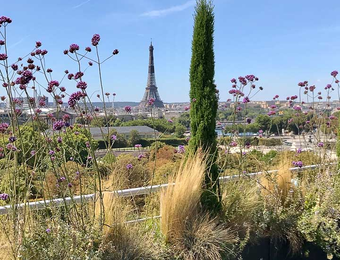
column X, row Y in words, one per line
column 143, row 131
column 151, row 90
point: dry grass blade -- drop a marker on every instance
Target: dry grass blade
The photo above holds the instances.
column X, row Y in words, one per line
column 192, row 234
column 180, row 203
column 279, row 183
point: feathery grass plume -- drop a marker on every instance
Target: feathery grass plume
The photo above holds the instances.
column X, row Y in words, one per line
column 181, row 202
column 192, row 234
column 279, row 183
column 123, row 241
column 7, row 248
column 205, row 238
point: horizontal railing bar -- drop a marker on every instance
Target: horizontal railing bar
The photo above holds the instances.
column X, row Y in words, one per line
column 36, row 205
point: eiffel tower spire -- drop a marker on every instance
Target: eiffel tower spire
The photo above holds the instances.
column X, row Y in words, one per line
column 151, row 90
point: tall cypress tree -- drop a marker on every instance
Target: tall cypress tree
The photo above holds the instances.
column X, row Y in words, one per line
column 204, row 100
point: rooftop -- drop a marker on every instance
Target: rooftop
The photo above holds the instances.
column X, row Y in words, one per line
column 95, row 131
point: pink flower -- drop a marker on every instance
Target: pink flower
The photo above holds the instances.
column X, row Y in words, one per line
column 127, row 109
column 151, row 101
column 233, row 144
column 3, row 56
column 95, row 39
column 181, row 149
column 82, row 85
column 74, row 47
column 297, row 108
column 245, row 100
column 334, row 73
column 320, row 144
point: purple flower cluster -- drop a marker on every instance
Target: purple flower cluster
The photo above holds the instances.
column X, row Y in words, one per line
column 334, row 73
column 245, row 100
column 127, row 109
column 3, row 56
column 242, row 80
column 74, row 47
column 236, row 92
column 95, row 39
column 297, row 108
column 3, row 127
column 250, row 77
column 4, row 20
column 233, row 144
column 129, row 166
column 271, row 113
column 58, row 125
column 297, row 164
column 82, row 85
column 74, row 98
column 25, row 78
column 51, row 84
column 78, row 75
column 151, row 101
column 4, row 196
column 181, row 149
column 12, row 139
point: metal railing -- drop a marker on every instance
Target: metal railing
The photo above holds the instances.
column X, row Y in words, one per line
column 36, row 205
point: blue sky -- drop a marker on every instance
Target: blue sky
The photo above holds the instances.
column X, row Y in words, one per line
column 281, row 42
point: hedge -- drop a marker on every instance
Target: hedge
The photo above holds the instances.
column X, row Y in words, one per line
column 147, row 142
column 251, row 140
column 270, row 141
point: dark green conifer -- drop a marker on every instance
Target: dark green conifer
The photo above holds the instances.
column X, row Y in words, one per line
column 204, row 98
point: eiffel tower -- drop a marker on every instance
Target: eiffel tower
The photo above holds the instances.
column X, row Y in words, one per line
column 151, row 90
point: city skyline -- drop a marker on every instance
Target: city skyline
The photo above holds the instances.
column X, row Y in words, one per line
column 271, row 40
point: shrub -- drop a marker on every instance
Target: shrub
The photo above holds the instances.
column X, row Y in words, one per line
column 57, row 240
column 136, row 176
column 319, row 222
column 180, row 130
column 163, row 152
column 240, row 202
column 282, row 207
column 74, row 144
